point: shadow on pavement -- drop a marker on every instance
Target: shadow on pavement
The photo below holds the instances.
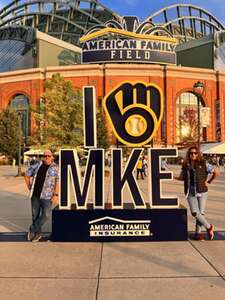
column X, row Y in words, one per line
column 218, row 236
column 20, row 237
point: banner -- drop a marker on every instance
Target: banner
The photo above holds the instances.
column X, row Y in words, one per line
column 205, row 116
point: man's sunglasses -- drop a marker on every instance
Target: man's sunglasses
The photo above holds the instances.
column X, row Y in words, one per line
column 47, row 156
column 191, row 153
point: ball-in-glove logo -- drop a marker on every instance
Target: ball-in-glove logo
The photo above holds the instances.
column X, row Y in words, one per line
column 135, row 112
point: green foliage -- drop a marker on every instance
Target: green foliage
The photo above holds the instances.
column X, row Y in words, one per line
column 59, row 115
column 10, row 133
column 102, row 134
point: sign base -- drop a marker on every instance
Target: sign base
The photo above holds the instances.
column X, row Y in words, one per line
column 119, row 225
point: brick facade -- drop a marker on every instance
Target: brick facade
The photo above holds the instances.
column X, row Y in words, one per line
column 173, row 80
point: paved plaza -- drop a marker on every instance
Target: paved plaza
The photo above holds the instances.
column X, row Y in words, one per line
column 108, row 271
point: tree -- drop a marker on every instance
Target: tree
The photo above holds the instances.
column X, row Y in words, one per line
column 10, row 133
column 59, row 115
column 102, row 134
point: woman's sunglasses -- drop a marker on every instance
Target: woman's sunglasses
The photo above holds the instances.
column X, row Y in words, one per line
column 193, row 153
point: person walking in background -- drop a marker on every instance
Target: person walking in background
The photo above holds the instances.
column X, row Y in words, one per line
column 144, row 165
column 164, row 166
column 197, row 176
column 42, row 181
column 140, row 168
column 33, row 160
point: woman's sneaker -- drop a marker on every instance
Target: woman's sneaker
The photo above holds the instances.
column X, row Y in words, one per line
column 37, row 237
column 30, row 235
column 210, row 232
column 199, row 237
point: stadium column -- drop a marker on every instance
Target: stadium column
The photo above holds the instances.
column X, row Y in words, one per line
column 220, row 81
column 170, row 109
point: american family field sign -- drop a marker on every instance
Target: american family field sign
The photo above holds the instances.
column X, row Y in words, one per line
column 128, row 41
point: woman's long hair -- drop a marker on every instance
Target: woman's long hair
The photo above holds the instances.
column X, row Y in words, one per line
column 187, row 160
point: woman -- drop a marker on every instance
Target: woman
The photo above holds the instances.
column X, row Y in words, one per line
column 195, row 174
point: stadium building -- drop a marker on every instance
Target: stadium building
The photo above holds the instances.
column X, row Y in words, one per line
column 180, row 48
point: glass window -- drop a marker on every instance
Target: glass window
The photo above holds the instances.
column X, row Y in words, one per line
column 15, row 55
column 21, row 104
column 187, row 117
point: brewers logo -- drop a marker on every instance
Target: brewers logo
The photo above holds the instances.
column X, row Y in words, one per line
column 135, row 112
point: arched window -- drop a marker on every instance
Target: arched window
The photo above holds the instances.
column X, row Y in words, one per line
column 187, row 118
column 21, row 105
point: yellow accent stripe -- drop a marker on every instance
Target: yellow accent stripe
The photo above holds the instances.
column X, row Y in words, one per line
column 128, row 34
column 119, row 100
column 148, row 99
column 135, row 95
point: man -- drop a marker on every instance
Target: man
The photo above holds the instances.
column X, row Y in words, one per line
column 42, row 181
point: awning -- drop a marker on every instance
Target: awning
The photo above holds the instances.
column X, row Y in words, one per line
column 214, row 148
column 207, row 148
column 34, row 152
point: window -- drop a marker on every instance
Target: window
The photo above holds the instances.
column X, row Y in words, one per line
column 187, row 118
column 21, row 105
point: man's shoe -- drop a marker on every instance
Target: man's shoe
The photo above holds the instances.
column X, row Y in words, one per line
column 199, row 237
column 37, row 237
column 210, row 232
column 30, row 235
column 49, row 238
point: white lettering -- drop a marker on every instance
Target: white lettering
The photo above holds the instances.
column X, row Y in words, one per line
column 137, row 54
column 147, row 54
column 129, row 54
column 113, row 54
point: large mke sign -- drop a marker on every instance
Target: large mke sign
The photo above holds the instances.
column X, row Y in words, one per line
column 134, row 110
column 128, row 42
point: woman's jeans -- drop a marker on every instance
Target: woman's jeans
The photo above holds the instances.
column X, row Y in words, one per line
column 197, row 206
column 41, row 212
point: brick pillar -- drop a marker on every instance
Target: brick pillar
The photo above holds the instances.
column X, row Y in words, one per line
column 221, row 78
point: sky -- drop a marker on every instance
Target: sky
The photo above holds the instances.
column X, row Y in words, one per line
column 144, row 8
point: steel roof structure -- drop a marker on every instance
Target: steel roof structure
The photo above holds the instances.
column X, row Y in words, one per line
column 186, row 22
column 68, row 20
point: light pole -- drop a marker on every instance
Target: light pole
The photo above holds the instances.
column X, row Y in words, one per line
column 19, row 146
column 198, row 90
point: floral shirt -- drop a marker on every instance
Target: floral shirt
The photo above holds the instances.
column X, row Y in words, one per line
column 51, row 179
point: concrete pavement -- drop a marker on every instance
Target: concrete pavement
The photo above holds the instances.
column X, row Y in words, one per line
column 108, row 271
